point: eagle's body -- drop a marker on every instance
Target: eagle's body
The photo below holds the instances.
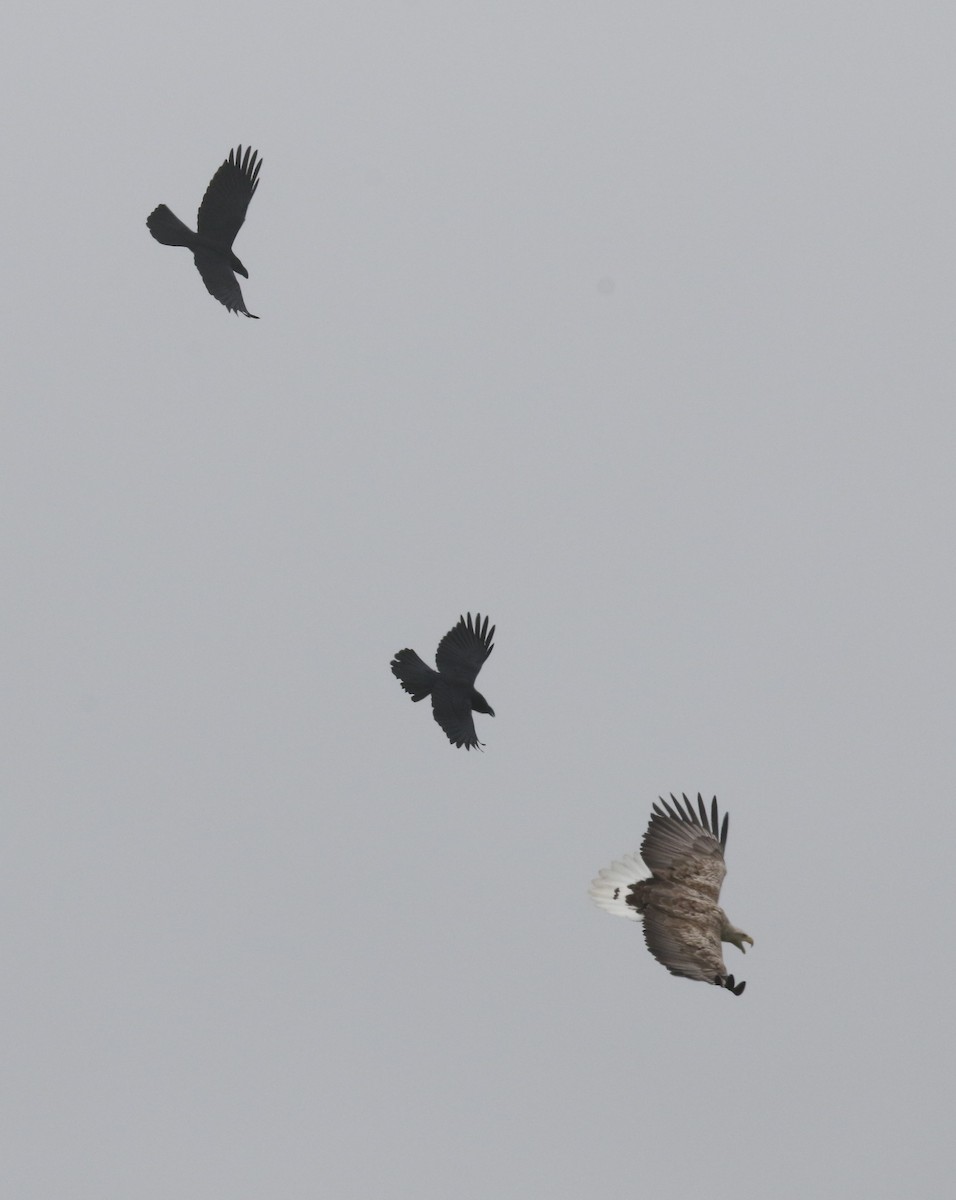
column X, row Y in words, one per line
column 459, row 658
column 673, row 887
column 220, row 218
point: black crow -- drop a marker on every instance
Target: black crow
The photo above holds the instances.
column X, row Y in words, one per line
column 221, row 215
column 459, row 658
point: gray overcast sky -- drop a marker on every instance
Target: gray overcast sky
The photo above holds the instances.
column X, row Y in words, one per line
column 629, row 324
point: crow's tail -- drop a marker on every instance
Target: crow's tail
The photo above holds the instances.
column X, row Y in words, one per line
column 416, row 677
column 167, row 228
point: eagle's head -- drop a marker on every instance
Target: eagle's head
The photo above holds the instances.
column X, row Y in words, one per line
column 731, row 934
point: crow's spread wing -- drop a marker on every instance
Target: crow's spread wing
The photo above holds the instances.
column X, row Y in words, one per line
column 224, row 205
column 462, row 651
column 221, row 281
column 452, row 709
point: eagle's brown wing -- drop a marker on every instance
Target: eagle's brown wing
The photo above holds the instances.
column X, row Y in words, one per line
column 683, row 933
column 685, row 848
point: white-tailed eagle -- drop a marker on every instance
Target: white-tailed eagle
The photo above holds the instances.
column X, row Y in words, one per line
column 673, row 886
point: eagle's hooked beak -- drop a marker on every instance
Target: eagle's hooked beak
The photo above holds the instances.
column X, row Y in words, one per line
column 745, row 937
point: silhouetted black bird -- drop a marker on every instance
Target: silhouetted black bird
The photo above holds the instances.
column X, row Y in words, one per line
column 221, row 215
column 459, row 658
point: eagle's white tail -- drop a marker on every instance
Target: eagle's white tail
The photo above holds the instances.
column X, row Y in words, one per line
column 609, row 890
